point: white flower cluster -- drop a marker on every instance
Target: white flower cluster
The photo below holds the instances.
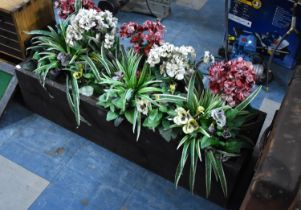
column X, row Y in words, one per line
column 101, row 25
column 173, row 61
column 208, row 57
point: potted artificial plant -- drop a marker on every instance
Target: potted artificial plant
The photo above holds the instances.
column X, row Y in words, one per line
column 147, row 104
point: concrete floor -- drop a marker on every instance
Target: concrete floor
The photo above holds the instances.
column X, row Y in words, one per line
column 82, row 175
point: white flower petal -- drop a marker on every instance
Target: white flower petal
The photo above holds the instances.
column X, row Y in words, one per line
column 86, row 91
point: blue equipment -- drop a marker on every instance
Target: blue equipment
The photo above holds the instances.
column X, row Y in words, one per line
column 245, row 46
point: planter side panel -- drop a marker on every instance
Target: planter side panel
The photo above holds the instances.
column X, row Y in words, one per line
column 151, row 151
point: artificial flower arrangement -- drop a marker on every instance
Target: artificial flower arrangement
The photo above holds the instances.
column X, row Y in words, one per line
column 141, row 86
column 143, row 37
column 66, row 50
column 68, row 7
column 233, row 80
column 92, row 27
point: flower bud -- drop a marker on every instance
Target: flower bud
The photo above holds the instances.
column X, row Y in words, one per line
column 200, row 110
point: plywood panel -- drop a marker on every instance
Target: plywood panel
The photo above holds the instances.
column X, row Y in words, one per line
column 12, row 5
column 18, row 17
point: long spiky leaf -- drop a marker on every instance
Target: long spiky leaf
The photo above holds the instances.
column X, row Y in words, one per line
column 181, row 164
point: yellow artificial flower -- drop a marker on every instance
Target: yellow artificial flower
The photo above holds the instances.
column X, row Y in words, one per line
column 79, row 73
column 200, row 110
column 191, row 126
column 94, row 57
column 157, row 97
column 172, row 88
column 182, row 116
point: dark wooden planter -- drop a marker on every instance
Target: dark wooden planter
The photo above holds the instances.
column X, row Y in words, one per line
column 151, row 151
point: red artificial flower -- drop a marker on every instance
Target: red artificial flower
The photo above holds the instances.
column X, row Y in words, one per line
column 144, row 36
column 137, row 48
column 148, row 48
column 233, row 80
column 137, row 38
column 66, row 7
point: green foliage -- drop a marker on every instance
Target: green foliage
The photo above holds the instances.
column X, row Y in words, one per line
column 130, row 92
column 203, row 133
column 73, row 97
column 77, row 5
column 191, row 100
column 153, row 119
column 52, row 53
column 213, row 162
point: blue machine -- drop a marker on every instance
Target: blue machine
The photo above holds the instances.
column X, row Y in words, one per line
column 245, row 46
column 268, row 20
column 251, row 47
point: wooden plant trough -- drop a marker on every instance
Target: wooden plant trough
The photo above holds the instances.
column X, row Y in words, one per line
column 151, row 151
